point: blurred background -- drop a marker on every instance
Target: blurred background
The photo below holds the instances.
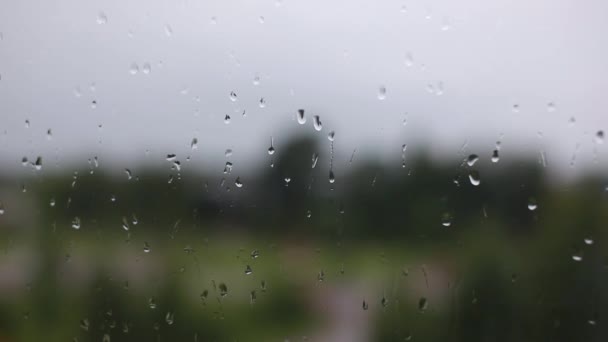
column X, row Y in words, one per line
column 289, row 170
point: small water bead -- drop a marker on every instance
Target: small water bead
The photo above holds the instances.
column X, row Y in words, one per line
column 52, row 202
column 233, row 96
column 472, row 159
column 168, row 30
column 76, row 223
column 287, row 181
column 446, row 219
column 129, row 174
column 24, row 161
column 308, row 214
column 381, row 93
column 146, row 247
column 474, row 178
column 255, row 254
column 532, row 204
column 194, row 144
column 577, row 257
column 271, row 148
column 515, row 108
column 301, row 116
column 317, row 123
column 332, row 178
column 409, row 60
column 423, row 304
column 49, row 134
column 134, row 69
column 262, row 103
column 84, row 324
column 228, row 153
column 365, row 306
column 2, row 208
column 256, row 80
column 152, row 303
column 248, row 270
column 252, row 297
column 227, row 168
column 238, row 182
column 171, row 157
column 227, row 119
column 93, row 104
column 495, row 157
column 551, row 107
column 331, row 136
column 102, row 18
column 125, row 224
column 321, row 276
column 223, row 289
column 315, row 159
column 147, row 68
column 599, row 137
column 169, row 318
column 588, row 241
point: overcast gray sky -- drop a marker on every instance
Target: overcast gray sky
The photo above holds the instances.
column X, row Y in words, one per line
column 452, row 69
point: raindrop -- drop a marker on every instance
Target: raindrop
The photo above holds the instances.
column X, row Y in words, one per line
column 365, row 305
column 446, row 219
column 252, row 297
column 102, row 18
column 577, row 257
column 233, row 96
column 551, row 107
column 129, row 175
column 599, row 137
column 169, row 318
column 331, row 136
column 76, row 223
column 382, row 93
column 238, row 182
column 49, row 134
column 332, row 178
column 248, row 270
column 474, row 178
column 228, row 168
column 147, row 68
column 472, row 159
column 256, row 80
column 255, row 254
column 52, row 202
column 588, row 241
column 308, row 214
column 321, row 275
column 495, row 156
column 301, row 117
column 262, row 103
column 168, row 30
column 27, row 123
column 152, row 303
column 204, row 295
column 38, row 163
column 93, row 104
column 24, row 161
column 223, row 289
column 271, row 148
column 171, row 157
column 423, row 304
column 315, row 159
column 287, row 180
column 1, row 208
column 125, row 224
column 532, row 204
column 134, row 68
column 228, row 153
column 105, row 338
column 227, row 119
column 134, row 220
column 261, row 19
column 317, row 123
column 84, row 324
column 194, row 144
column 146, row 247
column 409, row 60
column 384, row 302
column 515, row 108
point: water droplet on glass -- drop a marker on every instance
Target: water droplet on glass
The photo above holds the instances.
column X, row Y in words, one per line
column 515, row 108
column 146, row 247
column 308, row 214
column 588, row 241
column 321, row 276
column 423, row 304
column 233, row 97
column 474, row 178
column 495, row 157
column 532, row 205
column 599, row 137
column 1, row 208
column 317, row 123
column 255, row 254
column 134, row 68
column 301, row 117
column 248, row 270
column 102, row 18
column 129, row 175
column 238, row 182
column 147, row 68
column 168, row 30
column 256, row 80
column 223, row 289
column 38, row 163
column 152, row 303
column 331, row 136
column 93, row 104
column 262, row 103
column 169, row 318
column 125, row 224
column 446, row 219
column 271, row 148
column 315, row 159
column 227, row 119
column 194, row 144
column 24, row 161
column 409, row 60
column 84, row 324
column 76, row 223
column 228, row 168
column 171, row 157
column 52, row 202
column 332, row 178
column 365, row 306
column 577, row 257
column 551, row 107
column 228, row 153
column 381, row 93
column 472, row 159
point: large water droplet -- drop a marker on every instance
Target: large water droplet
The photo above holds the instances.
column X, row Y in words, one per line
column 147, row 68
column 227, row 119
column 248, row 270
column 301, row 117
column 495, row 156
column 331, row 136
column 381, row 93
column 474, row 178
column 134, row 68
column 228, row 168
column 238, row 182
column 317, row 123
column 532, row 204
column 38, row 163
column 472, row 159
column 129, row 175
column 102, row 18
column 76, row 222
column 332, row 178
column 233, row 96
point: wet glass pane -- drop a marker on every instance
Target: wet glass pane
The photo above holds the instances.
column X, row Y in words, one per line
column 288, row 170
